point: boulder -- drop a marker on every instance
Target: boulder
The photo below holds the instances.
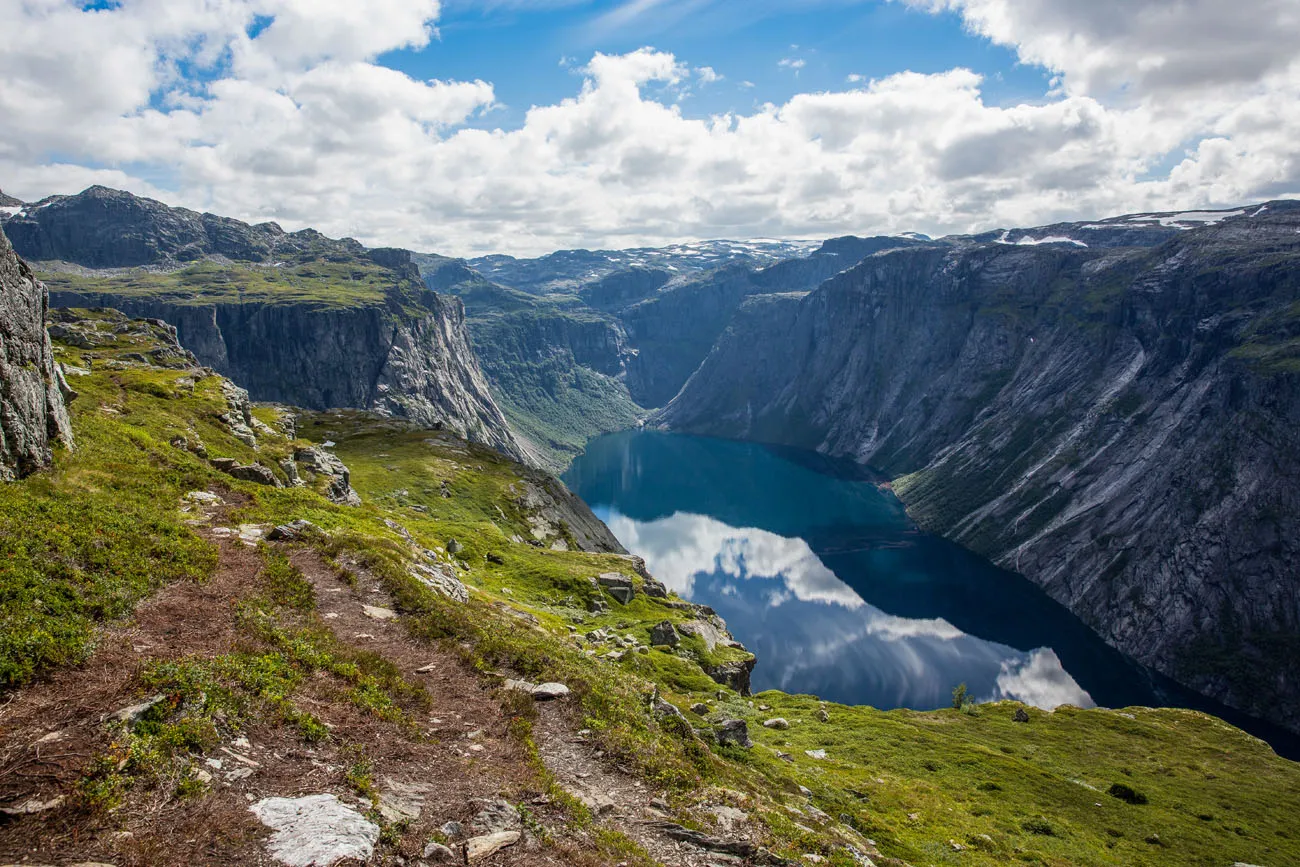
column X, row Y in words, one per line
column 734, row 674
column 293, row 531
column 733, row 731
column 1020, row 716
column 440, row 578
column 779, row 723
column 550, row 691
column 497, row 815
column 663, row 633
column 617, row 585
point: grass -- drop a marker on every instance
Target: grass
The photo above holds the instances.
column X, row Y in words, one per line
column 359, row 282
column 87, row 540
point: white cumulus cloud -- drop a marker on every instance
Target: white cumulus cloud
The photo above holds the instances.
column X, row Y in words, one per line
column 282, row 109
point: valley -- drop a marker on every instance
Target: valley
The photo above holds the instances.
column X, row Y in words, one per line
column 1038, row 651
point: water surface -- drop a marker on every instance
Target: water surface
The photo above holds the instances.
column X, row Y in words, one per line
column 817, row 569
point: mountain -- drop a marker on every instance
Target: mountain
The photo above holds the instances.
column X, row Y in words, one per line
column 566, row 271
column 1116, row 422
column 584, row 359
column 104, row 228
column 293, row 317
column 33, row 415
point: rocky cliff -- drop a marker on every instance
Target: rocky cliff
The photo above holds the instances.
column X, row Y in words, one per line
column 405, row 360
column 104, row 228
column 32, row 412
column 1119, row 424
column 295, row 318
column 674, row 329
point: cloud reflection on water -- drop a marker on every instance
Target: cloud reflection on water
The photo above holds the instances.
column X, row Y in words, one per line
column 814, row 634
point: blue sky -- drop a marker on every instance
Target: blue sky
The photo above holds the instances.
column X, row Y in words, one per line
column 411, row 122
column 519, row 47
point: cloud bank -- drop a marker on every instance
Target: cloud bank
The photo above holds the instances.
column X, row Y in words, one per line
column 282, row 109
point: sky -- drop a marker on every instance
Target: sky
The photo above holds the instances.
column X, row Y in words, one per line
column 525, row 126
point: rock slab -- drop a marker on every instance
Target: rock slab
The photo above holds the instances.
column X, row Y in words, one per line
column 315, row 831
column 33, row 415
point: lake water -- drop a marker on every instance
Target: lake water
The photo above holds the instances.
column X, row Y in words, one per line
column 818, row 570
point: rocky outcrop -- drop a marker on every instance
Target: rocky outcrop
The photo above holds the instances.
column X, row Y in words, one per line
column 395, row 348
column 33, row 415
column 1118, row 424
column 104, row 228
column 408, row 360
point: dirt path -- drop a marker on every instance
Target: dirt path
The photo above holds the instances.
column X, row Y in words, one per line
column 458, row 757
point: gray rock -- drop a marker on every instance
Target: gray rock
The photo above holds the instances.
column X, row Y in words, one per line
column 327, row 467
column 402, row 802
column 496, row 816
column 776, row 723
column 452, row 830
column 550, row 691
column 132, row 713
column 823, row 715
column 33, row 413
column 700, row 709
column 315, row 830
column 617, row 585
column 734, row 674
column 733, row 731
column 454, row 547
column 664, row 633
column 441, row 578
column 439, row 854
column 1020, row 716
column 294, row 531
column 478, row 848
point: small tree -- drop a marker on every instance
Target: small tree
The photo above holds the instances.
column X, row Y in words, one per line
column 960, row 697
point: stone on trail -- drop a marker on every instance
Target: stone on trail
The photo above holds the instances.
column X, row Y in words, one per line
column 315, row 830
column 439, row 854
column 550, row 691
column 378, row 613
column 498, row 815
column 478, row 848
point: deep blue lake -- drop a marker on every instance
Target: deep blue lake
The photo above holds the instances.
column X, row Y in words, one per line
column 818, row 570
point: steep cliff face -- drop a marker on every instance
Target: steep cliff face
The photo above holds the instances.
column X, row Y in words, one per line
column 407, row 361
column 33, row 415
column 1121, row 425
column 674, row 329
column 295, row 318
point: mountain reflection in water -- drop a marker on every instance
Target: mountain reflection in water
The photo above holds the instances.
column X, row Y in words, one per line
column 813, row 633
column 817, row 569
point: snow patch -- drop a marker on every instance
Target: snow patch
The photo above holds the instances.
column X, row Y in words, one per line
column 1204, row 218
column 11, row 210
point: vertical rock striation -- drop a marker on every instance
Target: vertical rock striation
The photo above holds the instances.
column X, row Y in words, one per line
column 33, row 415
